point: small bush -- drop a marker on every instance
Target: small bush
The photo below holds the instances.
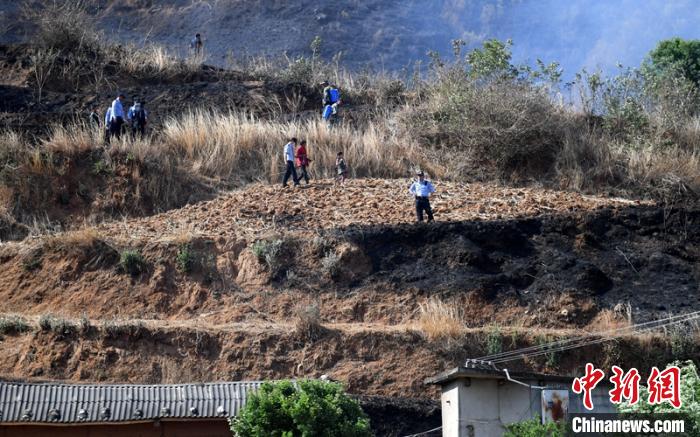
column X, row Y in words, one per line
column 132, row 262
column 313, row 408
column 13, row 325
column 271, row 254
column 115, row 329
column 551, row 357
column 32, row 261
column 185, row 259
column 494, row 341
column 84, row 324
column 57, row 325
column 63, row 25
column 440, row 320
column 308, row 322
column 331, row 264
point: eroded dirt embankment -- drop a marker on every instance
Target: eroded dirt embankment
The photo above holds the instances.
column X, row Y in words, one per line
column 372, row 360
column 221, row 285
column 528, row 258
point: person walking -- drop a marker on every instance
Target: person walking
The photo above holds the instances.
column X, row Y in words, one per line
column 108, row 124
column 303, row 161
column 341, row 167
column 117, row 117
column 330, row 101
column 196, row 45
column 289, row 159
column 94, row 118
column 138, row 117
column 421, row 190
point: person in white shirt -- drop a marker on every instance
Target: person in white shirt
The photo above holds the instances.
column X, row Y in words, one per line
column 289, row 149
column 117, row 117
column 421, row 190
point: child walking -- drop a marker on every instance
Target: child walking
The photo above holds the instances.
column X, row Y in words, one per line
column 342, row 168
column 303, row 161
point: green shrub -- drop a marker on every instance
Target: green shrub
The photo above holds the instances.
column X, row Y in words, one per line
column 307, row 408
column 13, row 325
column 271, row 254
column 185, row 259
column 494, row 341
column 533, row 428
column 130, row 329
column 132, row 262
column 551, row 358
column 57, row 325
column 689, row 396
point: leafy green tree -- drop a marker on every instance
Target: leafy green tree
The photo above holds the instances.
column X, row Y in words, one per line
column 493, row 60
column 304, row 409
column 677, row 54
column 690, row 399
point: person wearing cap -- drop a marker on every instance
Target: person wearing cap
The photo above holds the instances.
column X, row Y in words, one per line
column 421, row 190
column 117, row 117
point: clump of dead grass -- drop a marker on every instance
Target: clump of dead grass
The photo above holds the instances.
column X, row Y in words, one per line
column 439, row 320
column 609, row 320
column 71, row 240
column 307, row 322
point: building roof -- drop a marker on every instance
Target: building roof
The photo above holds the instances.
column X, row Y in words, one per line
column 481, row 369
column 57, row 403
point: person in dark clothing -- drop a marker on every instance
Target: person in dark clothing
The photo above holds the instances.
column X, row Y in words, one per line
column 289, row 159
column 94, row 118
column 138, row 118
column 422, row 190
column 303, row 161
column 196, row 45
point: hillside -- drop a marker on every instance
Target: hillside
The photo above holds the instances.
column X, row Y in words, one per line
column 227, row 282
column 178, row 256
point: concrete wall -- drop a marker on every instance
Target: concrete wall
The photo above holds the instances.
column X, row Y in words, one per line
column 201, row 428
column 479, row 407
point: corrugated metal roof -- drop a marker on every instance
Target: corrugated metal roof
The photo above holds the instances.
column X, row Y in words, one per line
column 77, row 403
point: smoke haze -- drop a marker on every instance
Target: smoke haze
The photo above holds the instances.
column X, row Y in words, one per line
column 393, row 34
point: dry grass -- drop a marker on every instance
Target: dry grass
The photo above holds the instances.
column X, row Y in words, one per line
column 307, row 322
column 155, row 61
column 66, row 241
column 609, row 320
column 72, row 139
column 439, row 320
column 237, row 146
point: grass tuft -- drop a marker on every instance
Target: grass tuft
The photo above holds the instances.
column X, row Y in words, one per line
column 439, row 320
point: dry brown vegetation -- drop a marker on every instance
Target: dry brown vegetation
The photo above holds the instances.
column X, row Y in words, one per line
column 439, row 320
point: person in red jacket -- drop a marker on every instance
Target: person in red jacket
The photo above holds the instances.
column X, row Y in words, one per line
column 303, row 161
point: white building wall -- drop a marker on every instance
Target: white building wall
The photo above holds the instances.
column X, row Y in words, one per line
column 482, row 407
column 450, row 409
column 517, row 403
